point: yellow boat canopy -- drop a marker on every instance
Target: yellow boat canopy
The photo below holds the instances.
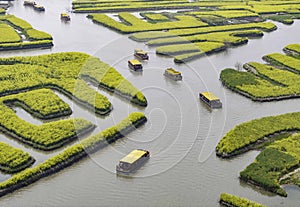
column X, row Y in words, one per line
column 171, row 70
column 210, row 96
column 133, row 156
column 135, row 62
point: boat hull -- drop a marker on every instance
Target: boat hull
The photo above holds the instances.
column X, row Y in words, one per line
column 212, row 104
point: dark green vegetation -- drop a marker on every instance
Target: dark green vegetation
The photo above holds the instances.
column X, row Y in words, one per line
column 242, row 137
column 19, row 34
column 134, row 24
column 72, row 154
column 291, row 178
column 13, row 160
column 235, row 201
column 230, row 23
column 272, row 163
column 293, row 49
column 267, row 82
column 277, row 135
column 280, row 140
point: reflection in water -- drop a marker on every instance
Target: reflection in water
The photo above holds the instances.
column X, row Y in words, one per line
column 181, row 133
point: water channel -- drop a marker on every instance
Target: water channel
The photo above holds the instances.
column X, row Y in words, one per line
column 181, row 132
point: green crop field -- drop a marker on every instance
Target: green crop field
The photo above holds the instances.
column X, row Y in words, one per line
column 280, row 156
column 274, row 162
column 235, row 201
column 72, row 153
column 32, row 83
column 184, row 28
column 10, row 39
column 258, row 7
column 8, row 34
column 293, row 49
column 2, row 11
column 211, row 21
column 243, row 136
column 131, row 23
column 262, row 82
column 67, row 72
column 276, row 80
column 63, row 72
column 155, row 17
column 13, row 160
column 43, row 103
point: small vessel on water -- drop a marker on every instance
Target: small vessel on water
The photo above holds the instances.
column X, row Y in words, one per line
column 35, row 6
column 210, row 99
column 29, row 3
column 173, row 74
column 135, row 65
column 38, row 7
column 65, row 17
column 132, row 162
column 141, row 54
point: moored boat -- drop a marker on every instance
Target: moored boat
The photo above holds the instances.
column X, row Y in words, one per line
column 173, row 74
column 210, row 99
column 132, row 162
column 135, row 65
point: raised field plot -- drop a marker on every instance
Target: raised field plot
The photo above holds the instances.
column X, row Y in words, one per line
column 66, row 73
column 12, row 159
column 18, row 34
column 73, row 153
column 231, row 23
column 41, row 103
column 292, row 49
column 236, row 201
column 259, row 7
column 267, row 82
column 277, row 135
column 35, row 83
column 274, row 162
column 280, row 135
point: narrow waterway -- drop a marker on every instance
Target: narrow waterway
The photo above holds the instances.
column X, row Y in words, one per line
column 181, row 132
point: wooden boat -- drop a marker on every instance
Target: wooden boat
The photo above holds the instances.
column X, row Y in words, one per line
column 135, row 65
column 141, row 54
column 173, row 74
column 210, row 99
column 29, row 3
column 132, row 162
column 38, row 7
column 65, row 17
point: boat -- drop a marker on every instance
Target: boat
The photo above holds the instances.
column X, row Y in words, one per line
column 173, row 74
column 29, row 3
column 210, row 99
column 65, row 17
column 135, row 65
column 132, row 162
column 38, row 7
column 141, row 54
